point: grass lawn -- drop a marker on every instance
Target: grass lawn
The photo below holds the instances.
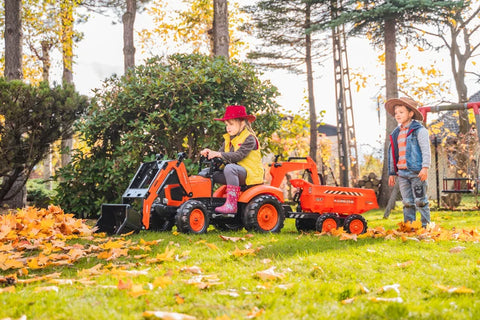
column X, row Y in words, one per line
column 263, row 276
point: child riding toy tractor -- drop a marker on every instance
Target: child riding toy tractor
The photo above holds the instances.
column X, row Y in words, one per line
column 161, row 195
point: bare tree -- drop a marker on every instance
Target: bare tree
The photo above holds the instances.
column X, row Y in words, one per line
column 221, row 39
column 13, row 39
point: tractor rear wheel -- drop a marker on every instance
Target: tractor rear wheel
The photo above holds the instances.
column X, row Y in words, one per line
column 264, row 213
column 305, row 224
column 192, row 217
column 355, row 224
column 327, row 222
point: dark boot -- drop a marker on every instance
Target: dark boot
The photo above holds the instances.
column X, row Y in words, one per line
column 230, row 205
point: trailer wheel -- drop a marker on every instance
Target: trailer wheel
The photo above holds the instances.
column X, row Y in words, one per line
column 305, row 224
column 264, row 213
column 192, row 217
column 355, row 224
column 327, row 222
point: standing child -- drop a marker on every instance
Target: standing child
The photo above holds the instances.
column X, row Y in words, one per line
column 241, row 151
column 409, row 158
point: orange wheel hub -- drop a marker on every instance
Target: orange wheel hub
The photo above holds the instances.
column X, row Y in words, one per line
column 329, row 224
column 197, row 220
column 267, row 217
column 356, row 226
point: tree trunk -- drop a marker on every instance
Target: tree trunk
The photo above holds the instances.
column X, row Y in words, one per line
column 14, row 185
column 13, row 39
column 45, row 58
column 67, row 77
column 128, row 20
column 221, row 38
column 311, row 98
column 392, row 92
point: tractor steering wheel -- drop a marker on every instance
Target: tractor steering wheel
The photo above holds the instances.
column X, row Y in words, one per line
column 214, row 164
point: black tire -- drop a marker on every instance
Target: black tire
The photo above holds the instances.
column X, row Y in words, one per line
column 327, row 222
column 264, row 213
column 305, row 224
column 192, row 217
column 355, row 224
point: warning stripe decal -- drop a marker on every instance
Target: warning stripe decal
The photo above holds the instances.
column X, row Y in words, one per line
column 350, row 193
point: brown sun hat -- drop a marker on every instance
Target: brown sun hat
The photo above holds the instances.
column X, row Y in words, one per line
column 406, row 102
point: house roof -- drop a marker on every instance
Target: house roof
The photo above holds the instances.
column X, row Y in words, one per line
column 327, row 129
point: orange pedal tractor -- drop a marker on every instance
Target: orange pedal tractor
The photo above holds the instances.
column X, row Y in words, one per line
column 162, row 195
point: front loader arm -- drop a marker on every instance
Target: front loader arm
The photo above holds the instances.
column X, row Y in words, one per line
column 169, row 168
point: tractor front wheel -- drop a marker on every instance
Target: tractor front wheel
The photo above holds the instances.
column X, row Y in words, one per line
column 327, row 222
column 264, row 213
column 355, row 224
column 192, row 217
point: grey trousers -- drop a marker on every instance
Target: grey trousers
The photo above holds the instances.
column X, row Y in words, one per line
column 233, row 175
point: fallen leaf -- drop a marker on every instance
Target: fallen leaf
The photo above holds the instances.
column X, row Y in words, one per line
column 10, row 289
column 363, row 288
column 233, row 239
column 211, row 246
column 254, row 313
column 403, row 264
column 162, row 282
column 49, row 288
column 377, row 299
column 179, row 299
column 122, row 285
column 193, row 270
column 395, row 287
column 137, row 290
column 348, row 301
column 240, row 253
column 450, row 289
column 167, row 315
column 269, row 274
column 457, row 249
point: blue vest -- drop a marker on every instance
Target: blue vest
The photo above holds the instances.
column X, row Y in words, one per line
column 413, row 153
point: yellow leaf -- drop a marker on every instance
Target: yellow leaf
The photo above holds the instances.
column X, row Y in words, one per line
column 162, row 282
column 49, row 288
column 450, row 289
column 167, row 255
column 239, row 253
column 211, row 246
column 179, row 299
column 137, row 290
column 269, row 274
column 167, row 315
column 348, row 301
column 254, row 313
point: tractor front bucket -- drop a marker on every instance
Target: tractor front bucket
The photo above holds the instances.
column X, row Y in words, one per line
column 119, row 219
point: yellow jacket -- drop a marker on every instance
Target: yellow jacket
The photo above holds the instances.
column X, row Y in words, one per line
column 252, row 162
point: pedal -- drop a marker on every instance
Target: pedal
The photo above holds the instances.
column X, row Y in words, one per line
column 222, row 215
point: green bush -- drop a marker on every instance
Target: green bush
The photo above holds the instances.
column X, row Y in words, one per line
column 165, row 106
column 38, row 194
column 31, row 119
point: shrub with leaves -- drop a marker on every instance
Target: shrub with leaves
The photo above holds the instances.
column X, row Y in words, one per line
column 32, row 118
column 165, row 106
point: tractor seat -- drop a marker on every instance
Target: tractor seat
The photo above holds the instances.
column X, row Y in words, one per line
column 246, row 187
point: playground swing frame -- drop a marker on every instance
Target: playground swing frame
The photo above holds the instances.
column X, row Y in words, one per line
column 473, row 182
